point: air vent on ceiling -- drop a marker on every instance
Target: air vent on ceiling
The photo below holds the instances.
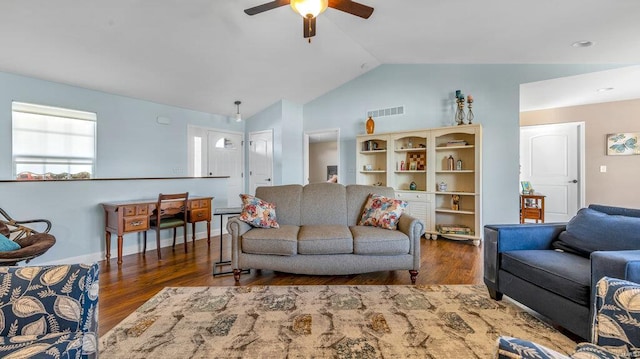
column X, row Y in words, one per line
column 391, row 111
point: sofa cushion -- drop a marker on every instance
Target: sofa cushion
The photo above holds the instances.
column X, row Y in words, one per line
column 287, row 199
column 377, row 241
column 565, row 274
column 257, row 212
column 324, row 203
column 592, row 230
column 381, row 211
column 325, row 239
column 280, row 241
column 357, row 196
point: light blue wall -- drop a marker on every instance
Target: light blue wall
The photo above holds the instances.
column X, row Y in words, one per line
column 130, row 144
column 427, row 93
column 268, row 119
column 285, row 119
column 292, row 143
column 77, row 218
column 130, row 141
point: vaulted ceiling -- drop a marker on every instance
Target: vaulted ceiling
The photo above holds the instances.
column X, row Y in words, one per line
column 205, row 54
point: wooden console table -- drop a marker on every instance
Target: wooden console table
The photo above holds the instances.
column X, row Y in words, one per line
column 133, row 216
column 535, row 210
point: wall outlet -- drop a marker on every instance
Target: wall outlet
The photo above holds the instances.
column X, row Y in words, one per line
column 603, row 169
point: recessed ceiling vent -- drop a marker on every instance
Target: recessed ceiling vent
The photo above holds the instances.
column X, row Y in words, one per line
column 391, row 111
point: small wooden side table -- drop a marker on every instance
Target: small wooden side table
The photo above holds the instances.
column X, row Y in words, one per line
column 532, row 207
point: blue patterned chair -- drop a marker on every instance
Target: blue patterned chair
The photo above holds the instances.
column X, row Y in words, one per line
column 49, row 311
column 616, row 328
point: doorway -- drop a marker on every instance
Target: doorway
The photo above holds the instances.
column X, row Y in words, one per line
column 260, row 159
column 214, row 152
column 552, row 160
column 322, row 156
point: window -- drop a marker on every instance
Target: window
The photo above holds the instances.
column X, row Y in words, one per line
column 52, row 143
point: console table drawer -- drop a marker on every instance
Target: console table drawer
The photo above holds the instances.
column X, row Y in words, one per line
column 135, row 210
column 137, row 223
column 196, row 215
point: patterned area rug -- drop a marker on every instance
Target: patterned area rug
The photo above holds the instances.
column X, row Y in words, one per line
column 452, row 321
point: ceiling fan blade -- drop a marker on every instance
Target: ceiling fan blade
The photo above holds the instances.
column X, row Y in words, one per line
column 266, row 7
column 309, row 27
column 352, row 8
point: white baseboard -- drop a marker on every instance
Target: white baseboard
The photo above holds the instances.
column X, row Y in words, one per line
column 132, row 248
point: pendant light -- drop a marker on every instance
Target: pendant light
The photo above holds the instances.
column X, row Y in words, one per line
column 238, row 115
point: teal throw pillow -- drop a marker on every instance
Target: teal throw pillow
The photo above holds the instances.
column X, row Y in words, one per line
column 7, row 245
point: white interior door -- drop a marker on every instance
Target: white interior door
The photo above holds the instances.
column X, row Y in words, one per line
column 551, row 158
column 226, row 158
column 260, row 159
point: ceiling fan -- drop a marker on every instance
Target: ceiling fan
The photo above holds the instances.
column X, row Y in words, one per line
column 310, row 9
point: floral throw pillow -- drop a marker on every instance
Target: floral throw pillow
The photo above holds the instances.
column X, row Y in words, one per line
column 381, row 211
column 257, row 212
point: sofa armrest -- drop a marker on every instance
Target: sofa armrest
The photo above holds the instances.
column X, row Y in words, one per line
column 236, row 229
column 413, row 228
column 617, row 264
column 511, row 237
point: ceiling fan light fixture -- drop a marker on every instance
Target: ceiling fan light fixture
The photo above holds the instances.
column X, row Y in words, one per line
column 309, row 8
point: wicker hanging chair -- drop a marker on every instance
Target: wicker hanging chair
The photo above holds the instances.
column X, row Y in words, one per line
column 32, row 242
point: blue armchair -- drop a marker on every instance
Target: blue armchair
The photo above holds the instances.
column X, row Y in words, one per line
column 552, row 268
column 49, row 311
column 616, row 328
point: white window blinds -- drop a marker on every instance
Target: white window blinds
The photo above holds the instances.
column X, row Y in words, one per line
column 52, row 143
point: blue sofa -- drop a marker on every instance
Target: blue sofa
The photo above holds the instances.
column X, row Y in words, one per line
column 553, row 268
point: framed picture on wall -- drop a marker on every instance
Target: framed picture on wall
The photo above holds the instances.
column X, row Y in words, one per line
column 623, row 144
column 332, row 171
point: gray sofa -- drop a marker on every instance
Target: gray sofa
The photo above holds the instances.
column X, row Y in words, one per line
column 318, row 234
column 552, row 268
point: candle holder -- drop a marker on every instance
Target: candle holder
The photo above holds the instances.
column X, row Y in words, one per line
column 470, row 113
column 460, row 111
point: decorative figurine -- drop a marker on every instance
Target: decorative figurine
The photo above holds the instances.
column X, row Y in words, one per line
column 455, row 202
column 412, row 186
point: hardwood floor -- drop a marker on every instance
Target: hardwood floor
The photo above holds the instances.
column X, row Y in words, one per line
column 124, row 288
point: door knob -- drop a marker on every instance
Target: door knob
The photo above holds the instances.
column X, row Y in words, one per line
column 574, row 181
column 268, row 179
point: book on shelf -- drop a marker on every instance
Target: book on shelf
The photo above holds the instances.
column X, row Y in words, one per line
column 456, row 143
column 454, row 229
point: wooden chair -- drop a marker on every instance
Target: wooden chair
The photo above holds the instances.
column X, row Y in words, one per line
column 171, row 212
column 33, row 242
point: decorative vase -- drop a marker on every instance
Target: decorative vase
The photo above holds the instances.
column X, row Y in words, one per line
column 442, row 186
column 370, row 125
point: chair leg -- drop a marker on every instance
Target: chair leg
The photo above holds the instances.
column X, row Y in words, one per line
column 174, row 237
column 158, row 243
column 144, row 247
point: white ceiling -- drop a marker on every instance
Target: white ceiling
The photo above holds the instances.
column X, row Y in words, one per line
column 205, row 54
column 624, row 84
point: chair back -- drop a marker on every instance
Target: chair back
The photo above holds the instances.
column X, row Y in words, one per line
column 172, row 205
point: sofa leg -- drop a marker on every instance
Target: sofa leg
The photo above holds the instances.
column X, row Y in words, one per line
column 236, row 275
column 414, row 276
column 494, row 294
